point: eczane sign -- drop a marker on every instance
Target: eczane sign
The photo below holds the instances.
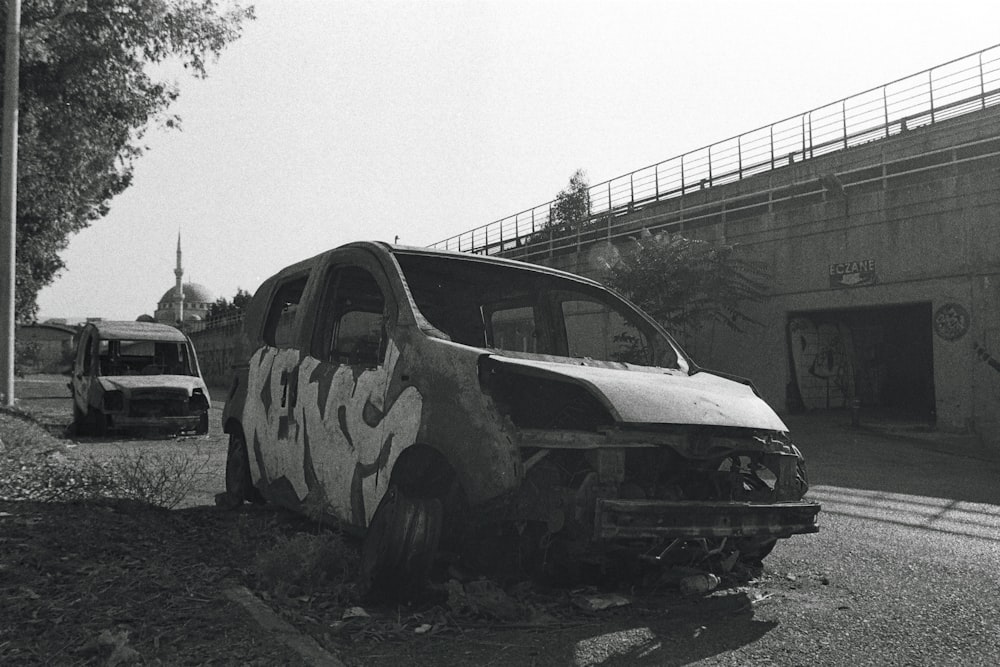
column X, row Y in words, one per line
column 852, row 274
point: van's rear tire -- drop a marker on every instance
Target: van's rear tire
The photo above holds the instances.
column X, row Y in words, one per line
column 239, row 483
column 79, row 421
column 98, row 423
column 202, row 427
column 401, row 544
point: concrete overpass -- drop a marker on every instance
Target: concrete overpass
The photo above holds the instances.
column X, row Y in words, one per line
column 879, row 217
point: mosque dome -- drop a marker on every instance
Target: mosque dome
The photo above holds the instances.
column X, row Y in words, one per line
column 193, row 293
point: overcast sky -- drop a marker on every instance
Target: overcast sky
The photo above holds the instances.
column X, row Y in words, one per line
column 330, row 122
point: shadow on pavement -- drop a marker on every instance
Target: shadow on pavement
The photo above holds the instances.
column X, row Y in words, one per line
column 895, row 458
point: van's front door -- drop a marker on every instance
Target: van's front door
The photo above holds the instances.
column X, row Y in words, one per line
column 331, row 433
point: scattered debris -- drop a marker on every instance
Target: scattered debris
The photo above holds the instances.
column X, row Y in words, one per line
column 753, row 597
column 114, row 647
column 485, row 598
column 354, row 612
column 699, row 584
column 600, row 601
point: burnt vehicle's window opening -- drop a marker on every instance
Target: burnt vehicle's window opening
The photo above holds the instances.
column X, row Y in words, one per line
column 594, row 330
column 515, row 328
column 352, row 319
column 522, row 311
column 532, row 402
column 279, row 328
column 144, row 357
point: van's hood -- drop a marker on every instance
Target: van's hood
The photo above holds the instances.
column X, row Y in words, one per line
column 657, row 396
column 130, row 383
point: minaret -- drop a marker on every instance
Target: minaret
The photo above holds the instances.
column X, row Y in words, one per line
column 179, row 272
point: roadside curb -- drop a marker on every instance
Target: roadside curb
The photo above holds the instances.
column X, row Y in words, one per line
column 306, row 647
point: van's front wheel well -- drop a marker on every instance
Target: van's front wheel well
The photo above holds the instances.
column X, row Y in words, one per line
column 417, row 513
column 421, row 471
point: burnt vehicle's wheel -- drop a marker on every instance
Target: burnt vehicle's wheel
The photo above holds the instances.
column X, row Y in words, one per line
column 97, row 422
column 202, row 427
column 401, row 544
column 79, row 425
column 239, row 483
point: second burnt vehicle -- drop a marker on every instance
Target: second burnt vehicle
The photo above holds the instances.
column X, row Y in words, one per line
column 137, row 375
column 411, row 392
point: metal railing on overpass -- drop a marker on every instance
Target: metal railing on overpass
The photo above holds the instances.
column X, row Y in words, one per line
column 958, row 87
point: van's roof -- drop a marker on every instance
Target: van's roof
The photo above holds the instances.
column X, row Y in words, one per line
column 137, row 331
column 470, row 257
column 382, row 248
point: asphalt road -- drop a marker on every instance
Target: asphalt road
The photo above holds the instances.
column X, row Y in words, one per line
column 902, row 572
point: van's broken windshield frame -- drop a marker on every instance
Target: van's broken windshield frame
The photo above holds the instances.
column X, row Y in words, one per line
column 526, row 312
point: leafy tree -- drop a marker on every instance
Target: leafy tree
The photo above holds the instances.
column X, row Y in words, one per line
column 86, row 100
column 686, row 284
column 225, row 308
column 572, row 205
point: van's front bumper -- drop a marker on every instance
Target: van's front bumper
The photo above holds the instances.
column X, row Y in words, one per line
column 169, row 424
column 661, row 519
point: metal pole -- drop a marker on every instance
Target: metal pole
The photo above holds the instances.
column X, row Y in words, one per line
column 8, row 199
column 772, row 147
column 739, row 154
column 843, row 111
column 930, row 91
column 885, row 109
column 982, row 84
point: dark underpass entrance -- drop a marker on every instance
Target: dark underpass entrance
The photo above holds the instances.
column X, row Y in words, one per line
column 883, row 356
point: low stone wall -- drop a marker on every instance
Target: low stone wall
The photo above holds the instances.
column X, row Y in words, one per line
column 218, row 349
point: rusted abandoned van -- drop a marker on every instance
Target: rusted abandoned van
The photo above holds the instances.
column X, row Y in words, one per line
column 137, row 375
column 409, row 391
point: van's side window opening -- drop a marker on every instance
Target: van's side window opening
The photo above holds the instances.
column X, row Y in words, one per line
column 353, row 319
column 279, row 329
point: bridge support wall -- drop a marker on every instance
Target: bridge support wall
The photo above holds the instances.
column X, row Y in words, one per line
column 894, row 247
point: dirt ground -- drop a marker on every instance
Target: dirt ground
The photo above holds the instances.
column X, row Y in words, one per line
column 908, row 530
column 124, row 583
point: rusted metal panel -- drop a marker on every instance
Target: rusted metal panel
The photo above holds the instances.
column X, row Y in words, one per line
column 629, row 519
column 137, row 331
column 664, row 396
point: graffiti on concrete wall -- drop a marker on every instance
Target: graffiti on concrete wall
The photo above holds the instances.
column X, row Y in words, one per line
column 986, row 357
column 951, row 321
column 988, row 353
column 822, row 356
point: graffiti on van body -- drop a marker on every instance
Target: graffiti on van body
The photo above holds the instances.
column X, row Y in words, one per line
column 335, row 432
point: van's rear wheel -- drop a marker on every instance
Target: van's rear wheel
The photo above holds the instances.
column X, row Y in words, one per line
column 239, row 483
column 79, row 420
column 98, row 423
column 401, row 544
column 202, row 427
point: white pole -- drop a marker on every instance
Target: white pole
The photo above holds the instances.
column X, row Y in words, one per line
column 8, row 199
